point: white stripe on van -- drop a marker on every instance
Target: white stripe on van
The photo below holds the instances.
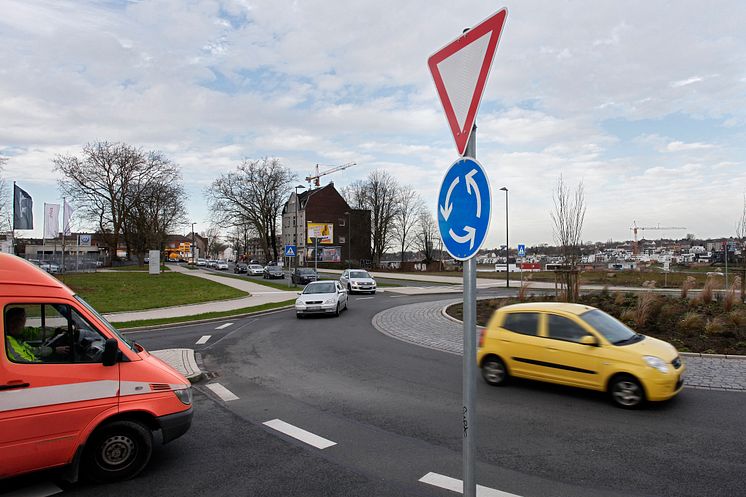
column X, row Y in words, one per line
column 26, row 398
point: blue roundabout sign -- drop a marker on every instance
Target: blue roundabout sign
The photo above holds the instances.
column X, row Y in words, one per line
column 464, row 204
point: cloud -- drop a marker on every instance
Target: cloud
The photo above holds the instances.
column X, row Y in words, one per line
column 677, row 146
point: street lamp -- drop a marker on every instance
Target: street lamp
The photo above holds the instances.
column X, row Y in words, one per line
column 297, row 245
column 507, row 245
column 349, row 240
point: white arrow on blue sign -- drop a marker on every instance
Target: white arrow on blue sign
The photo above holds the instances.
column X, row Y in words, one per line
column 290, row 251
column 464, row 204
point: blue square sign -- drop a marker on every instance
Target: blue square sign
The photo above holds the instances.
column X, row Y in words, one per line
column 290, row 251
column 521, row 250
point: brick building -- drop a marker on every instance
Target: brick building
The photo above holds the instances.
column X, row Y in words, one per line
column 342, row 233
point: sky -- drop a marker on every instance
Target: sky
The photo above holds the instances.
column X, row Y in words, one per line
column 644, row 102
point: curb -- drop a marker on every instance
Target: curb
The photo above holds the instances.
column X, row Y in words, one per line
column 685, row 354
column 201, row 321
column 183, row 361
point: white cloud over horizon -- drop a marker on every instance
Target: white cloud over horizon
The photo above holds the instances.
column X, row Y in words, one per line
column 644, row 103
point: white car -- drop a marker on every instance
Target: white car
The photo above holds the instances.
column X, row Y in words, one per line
column 50, row 267
column 321, row 297
column 255, row 270
column 222, row 264
column 201, row 262
column 357, row 280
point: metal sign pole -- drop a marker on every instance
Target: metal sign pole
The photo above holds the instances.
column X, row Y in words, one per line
column 470, row 358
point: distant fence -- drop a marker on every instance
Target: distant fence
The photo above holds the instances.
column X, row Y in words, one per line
column 52, row 263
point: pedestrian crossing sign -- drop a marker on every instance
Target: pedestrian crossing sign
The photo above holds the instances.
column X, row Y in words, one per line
column 290, row 251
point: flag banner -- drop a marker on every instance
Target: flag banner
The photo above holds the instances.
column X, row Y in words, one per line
column 51, row 220
column 23, row 210
column 67, row 214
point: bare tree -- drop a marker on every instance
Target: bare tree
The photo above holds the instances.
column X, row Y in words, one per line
column 382, row 200
column 253, row 195
column 105, row 182
column 741, row 223
column 407, row 215
column 356, row 194
column 155, row 207
column 426, row 234
column 567, row 218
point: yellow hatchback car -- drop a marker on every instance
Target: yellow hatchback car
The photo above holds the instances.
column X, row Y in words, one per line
column 580, row 346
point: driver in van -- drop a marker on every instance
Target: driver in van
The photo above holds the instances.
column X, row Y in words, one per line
column 16, row 337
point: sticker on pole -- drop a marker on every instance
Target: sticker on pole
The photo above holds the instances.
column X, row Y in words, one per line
column 464, row 208
column 460, row 71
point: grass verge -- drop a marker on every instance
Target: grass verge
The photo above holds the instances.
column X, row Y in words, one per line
column 130, row 291
column 135, row 267
column 198, row 317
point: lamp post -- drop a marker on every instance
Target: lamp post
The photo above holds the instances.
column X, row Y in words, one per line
column 297, row 245
column 349, row 240
column 194, row 261
column 507, row 245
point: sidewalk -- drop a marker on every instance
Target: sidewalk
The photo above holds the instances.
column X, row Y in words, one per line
column 258, row 295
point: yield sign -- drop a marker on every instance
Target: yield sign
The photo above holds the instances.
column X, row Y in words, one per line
column 460, row 72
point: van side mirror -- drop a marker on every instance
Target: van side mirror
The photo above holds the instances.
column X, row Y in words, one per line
column 111, row 353
column 589, row 340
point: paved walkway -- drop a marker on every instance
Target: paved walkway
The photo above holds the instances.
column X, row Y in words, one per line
column 258, row 295
column 425, row 325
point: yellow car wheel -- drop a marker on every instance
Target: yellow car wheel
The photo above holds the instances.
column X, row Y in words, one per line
column 494, row 371
column 626, row 392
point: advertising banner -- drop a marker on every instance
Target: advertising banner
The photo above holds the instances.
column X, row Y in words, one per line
column 326, row 254
column 323, row 231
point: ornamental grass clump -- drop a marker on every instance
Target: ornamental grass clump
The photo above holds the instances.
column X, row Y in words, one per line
column 716, row 327
column 691, row 322
column 689, row 283
column 523, row 291
column 708, row 291
column 646, row 304
column 731, row 297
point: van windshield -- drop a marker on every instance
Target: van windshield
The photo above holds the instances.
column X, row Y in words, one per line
column 106, row 323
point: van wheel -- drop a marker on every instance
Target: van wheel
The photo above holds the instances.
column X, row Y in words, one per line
column 494, row 371
column 118, row 451
column 626, row 392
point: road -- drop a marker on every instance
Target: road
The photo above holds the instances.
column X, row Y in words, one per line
column 393, row 411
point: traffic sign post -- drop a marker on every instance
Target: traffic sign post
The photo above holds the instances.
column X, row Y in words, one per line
column 460, row 71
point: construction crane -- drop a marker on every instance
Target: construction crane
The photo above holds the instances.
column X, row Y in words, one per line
column 634, row 228
column 334, row 169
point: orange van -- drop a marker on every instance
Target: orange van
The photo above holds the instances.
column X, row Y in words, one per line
column 74, row 392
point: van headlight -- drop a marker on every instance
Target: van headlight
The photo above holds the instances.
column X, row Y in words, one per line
column 184, row 395
column 657, row 363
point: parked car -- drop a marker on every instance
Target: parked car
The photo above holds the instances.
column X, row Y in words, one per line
column 303, row 275
column 255, row 270
column 357, row 280
column 222, row 264
column 212, row 263
column 581, row 346
column 49, row 267
column 201, row 261
column 273, row 272
column 240, row 267
column 321, row 297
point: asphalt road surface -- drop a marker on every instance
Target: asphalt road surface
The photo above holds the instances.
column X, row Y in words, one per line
column 393, row 414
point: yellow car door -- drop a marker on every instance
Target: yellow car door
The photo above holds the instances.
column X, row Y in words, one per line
column 519, row 342
column 565, row 359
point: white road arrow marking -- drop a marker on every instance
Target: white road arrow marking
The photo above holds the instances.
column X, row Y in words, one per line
column 446, row 211
column 469, row 237
column 471, row 183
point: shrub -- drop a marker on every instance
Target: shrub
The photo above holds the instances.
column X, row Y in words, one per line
column 716, row 327
column 707, row 292
column 738, row 318
column 689, row 283
column 731, row 297
column 691, row 321
column 523, row 291
column 628, row 316
column 619, row 298
column 646, row 303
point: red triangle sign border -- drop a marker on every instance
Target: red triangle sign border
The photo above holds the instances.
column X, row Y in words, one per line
column 493, row 25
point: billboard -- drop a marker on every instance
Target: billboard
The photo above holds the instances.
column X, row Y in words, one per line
column 323, row 231
column 326, row 254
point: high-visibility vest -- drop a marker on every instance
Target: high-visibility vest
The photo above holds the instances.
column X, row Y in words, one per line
column 19, row 351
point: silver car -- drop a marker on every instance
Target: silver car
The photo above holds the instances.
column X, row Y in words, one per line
column 357, row 280
column 321, row 297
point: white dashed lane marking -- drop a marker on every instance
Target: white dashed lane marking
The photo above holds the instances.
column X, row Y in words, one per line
column 223, row 326
column 203, row 340
column 364, row 298
column 222, row 392
column 299, row 434
column 39, row 490
column 455, row 485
